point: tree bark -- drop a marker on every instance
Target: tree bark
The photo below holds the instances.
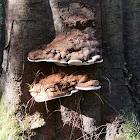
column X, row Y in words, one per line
column 114, row 89
column 29, row 24
column 131, row 30
column 26, row 27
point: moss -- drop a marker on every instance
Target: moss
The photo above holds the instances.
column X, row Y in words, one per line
column 9, row 125
column 130, row 130
column 15, row 123
column 12, row 127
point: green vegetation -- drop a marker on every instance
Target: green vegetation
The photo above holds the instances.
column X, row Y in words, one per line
column 131, row 128
column 15, row 122
column 9, row 125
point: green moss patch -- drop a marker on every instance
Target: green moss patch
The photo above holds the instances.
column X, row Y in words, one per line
column 9, row 125
column 12, row 127
column 130, row 130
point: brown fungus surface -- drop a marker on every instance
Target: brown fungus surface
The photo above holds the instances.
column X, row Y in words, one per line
column 61, row 85
column 76, row 48
column 77, row 16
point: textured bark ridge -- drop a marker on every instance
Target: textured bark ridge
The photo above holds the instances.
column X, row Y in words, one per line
column 62, row 85
column 78, row 16
column 132, row 50
column 21, row 35
column 120, row 21
column 72, row 14
column 113, row 87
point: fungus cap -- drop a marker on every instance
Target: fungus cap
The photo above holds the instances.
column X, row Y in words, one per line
column 76, row 48
column 62, row 85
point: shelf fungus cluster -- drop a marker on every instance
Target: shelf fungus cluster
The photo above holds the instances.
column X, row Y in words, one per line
column 76, row 48
column 62, row 85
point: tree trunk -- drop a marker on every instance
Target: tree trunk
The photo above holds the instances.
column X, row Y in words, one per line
column 37, row 22
column 114, row 88
column 131, row 52
column 26, row 27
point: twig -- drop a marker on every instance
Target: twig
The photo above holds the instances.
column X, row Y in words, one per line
column 31, row 104
column 99, row 97
column 26, row 106
column 47, row 110
column 109, row 104
column 109, row 82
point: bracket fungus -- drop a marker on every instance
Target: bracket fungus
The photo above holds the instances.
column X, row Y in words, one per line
column 76, row 48
column 61, row 85
column 78, row 45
